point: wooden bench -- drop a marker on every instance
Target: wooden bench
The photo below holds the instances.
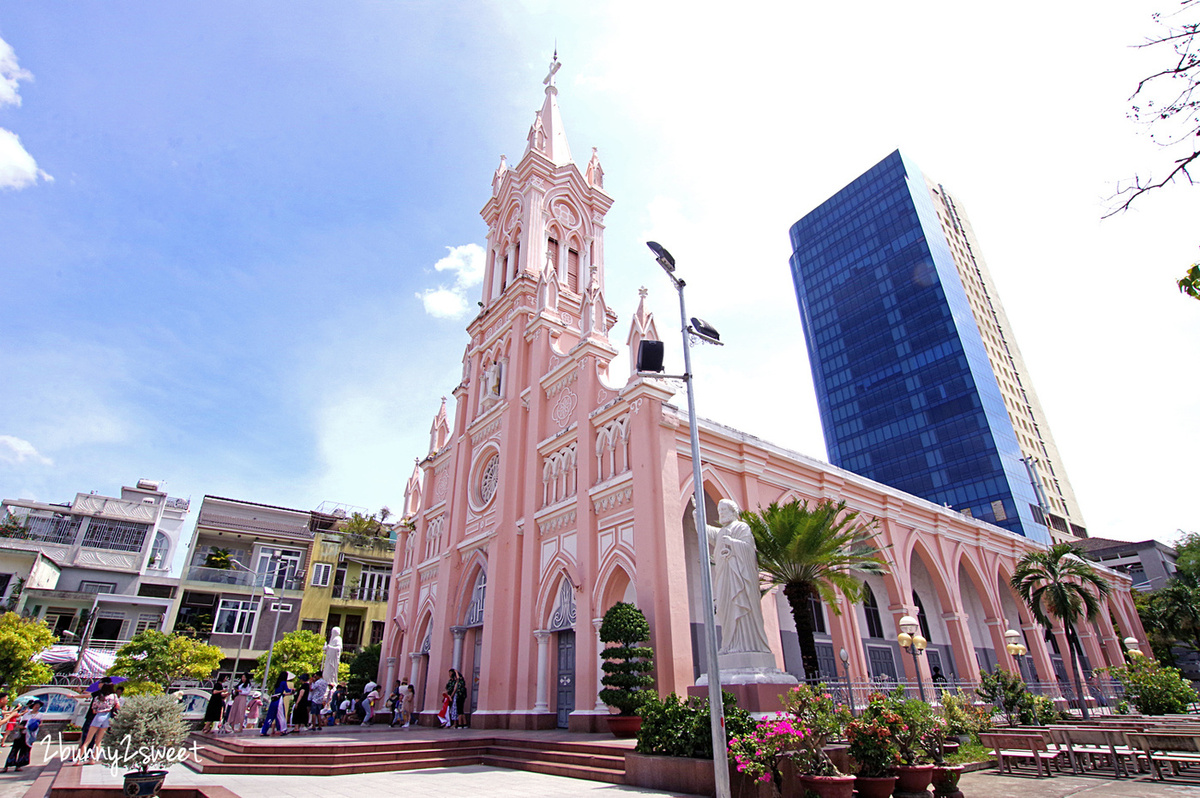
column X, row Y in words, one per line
column 1092, row 742
column 1020, row 746
column 1176, row 747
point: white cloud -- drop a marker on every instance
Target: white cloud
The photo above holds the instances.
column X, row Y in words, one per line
column 450, row 301
column 18, row 169
column 10, row 75
column 16, row 451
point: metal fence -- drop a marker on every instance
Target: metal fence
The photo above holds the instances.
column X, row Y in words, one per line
column 1102, row 695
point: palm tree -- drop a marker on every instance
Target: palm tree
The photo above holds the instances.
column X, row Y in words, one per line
column 813, row 552
column 1178, row 604
column 1055, row 583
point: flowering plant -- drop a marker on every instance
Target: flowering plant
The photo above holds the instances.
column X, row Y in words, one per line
column 758, row 753
column 822, row 719
column 873, row 747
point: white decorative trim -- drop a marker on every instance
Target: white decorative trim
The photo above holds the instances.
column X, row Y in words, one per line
column 564, row 408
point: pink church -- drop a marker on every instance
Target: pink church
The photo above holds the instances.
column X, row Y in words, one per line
column 562, row 488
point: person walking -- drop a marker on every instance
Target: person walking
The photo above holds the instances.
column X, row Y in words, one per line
column 460, row 697
column 300, row 705
column 316, row 702
column 215, row 709
column 275, row 721
column 410, row 698
column 395, row 701
column 25, row 736
column 451, row 694
column 102, row 708
column 241, row 699
column 368, row 703
column 253, row 707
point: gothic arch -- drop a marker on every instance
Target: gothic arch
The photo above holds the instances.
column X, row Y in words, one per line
column 714, row 487
column 475, row 566
column 613, row 586
column 933, row 566
column 557, row 571
column 613, row 583
column 548, row 599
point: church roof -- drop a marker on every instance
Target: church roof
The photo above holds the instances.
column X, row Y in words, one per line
column 547, row 134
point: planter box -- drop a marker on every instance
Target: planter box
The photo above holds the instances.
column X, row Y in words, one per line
column 676, row 774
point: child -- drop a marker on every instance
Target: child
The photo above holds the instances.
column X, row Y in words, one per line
column 444, row 714
column 409, row 699
column 342, row 711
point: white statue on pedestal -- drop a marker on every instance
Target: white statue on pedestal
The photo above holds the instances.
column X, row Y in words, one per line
column 333, row 655
column 736, row 582
column 745, row 655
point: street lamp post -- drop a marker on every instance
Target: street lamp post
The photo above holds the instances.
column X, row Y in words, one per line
column 237, row 662
column 910, row 638
column 1017, row 649
column 715, row 703
column 274, row 631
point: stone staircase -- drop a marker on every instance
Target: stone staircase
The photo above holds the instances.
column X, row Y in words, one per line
column 317, row 757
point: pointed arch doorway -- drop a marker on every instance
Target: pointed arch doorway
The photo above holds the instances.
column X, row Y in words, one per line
column 562, row 624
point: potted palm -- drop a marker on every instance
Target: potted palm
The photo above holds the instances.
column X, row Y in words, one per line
column 627, row 666
column 147, row 735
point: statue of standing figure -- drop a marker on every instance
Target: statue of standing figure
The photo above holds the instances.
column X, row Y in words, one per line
column 333, row 655
column 736, row 583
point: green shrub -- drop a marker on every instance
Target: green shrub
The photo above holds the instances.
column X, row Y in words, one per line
column 148, row 732
column 962, row 716
column 1006, row 692
column 627, row 665
column 1152, row 688
column 673, row 727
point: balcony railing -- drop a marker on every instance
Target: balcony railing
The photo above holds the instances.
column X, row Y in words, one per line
column 226, row 576
column 360, row 593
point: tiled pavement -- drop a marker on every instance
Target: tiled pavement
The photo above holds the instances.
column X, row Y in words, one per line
column 477, row 781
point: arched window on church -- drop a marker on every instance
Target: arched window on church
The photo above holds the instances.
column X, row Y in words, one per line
column 871, row 608
column 574, row 279
column 552, row 256
column 922, row 618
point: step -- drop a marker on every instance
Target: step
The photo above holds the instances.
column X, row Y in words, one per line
column 606, row 760
column 552, row 769
column 341, row 755
column 345, row 769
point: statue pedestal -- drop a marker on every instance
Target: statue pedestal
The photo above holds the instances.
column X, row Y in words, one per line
column 757, row 687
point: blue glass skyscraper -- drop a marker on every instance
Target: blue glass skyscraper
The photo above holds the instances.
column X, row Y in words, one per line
column 919, row 382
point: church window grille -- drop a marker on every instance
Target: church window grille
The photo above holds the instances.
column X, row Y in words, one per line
column 612, row 449
column 433, row 537
column 564, row 611
column 475, row 609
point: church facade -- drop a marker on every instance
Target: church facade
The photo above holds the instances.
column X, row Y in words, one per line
column 560, row 488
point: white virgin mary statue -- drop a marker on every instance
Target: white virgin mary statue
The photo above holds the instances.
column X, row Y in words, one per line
column 736, row 583
column 333, row 655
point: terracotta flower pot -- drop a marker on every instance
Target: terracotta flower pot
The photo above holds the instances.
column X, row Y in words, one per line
column 945, row 781
column 874, row 787
column 829, row 786
column 624, row 725
column 913, row 779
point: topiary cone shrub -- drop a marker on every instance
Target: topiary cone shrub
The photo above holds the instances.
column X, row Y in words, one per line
column 148, row 732
column 627, row 665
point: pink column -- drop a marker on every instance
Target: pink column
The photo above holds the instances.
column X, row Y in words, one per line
column 963, row 645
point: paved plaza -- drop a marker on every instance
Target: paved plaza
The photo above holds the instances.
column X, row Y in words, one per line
column 480, row 781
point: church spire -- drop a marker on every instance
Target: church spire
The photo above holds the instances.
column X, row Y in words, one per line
column 546, row 134
column 641, row 328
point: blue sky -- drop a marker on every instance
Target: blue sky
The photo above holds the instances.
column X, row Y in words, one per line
column 217, row 278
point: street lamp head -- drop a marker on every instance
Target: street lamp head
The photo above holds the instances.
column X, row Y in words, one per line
column 703, row 329
column 1131, row 643
column 662, row 256
column 1012, row 635
column 1021, row 650
column 919, row 642
column 909, row 625
column 844, row 656
column 904, row 639
column 267, row 591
